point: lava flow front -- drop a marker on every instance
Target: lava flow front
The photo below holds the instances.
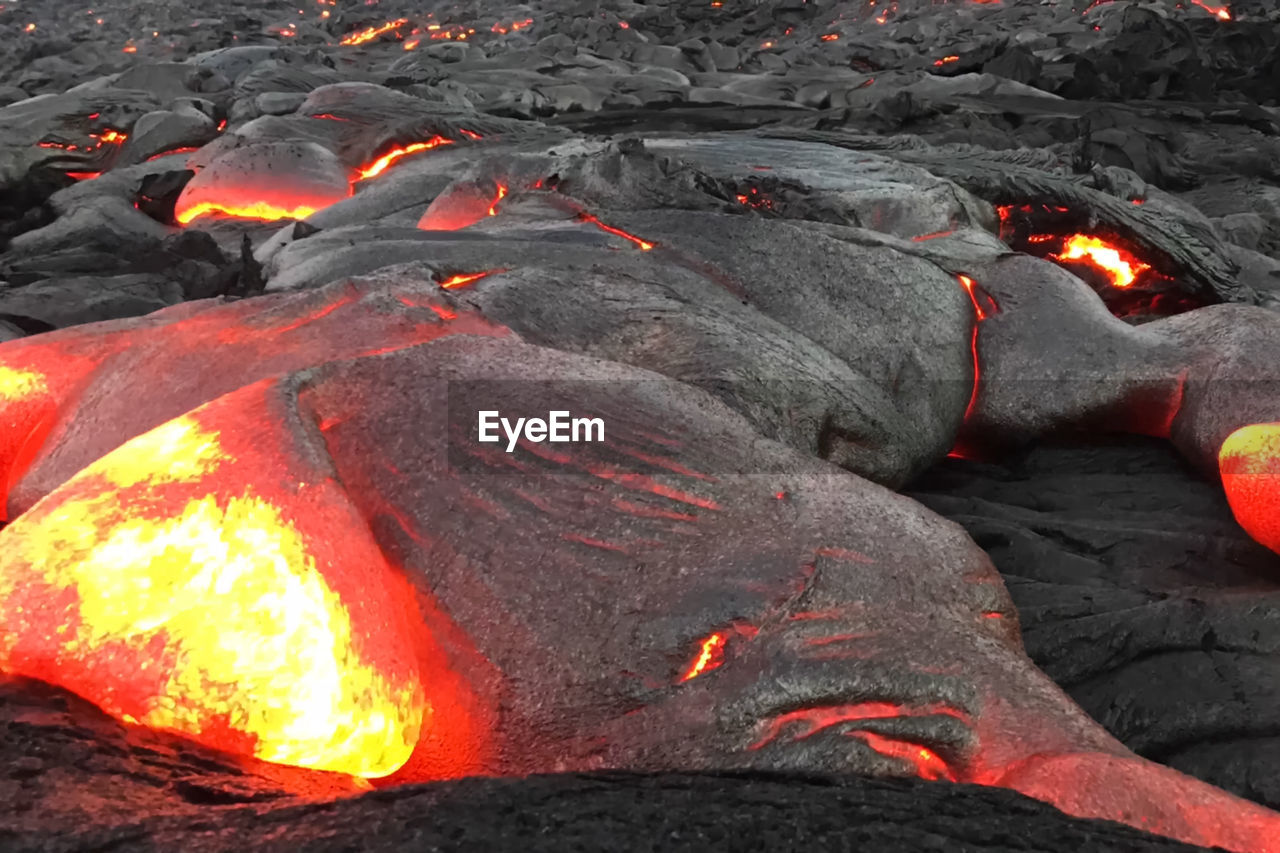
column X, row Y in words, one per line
column 161, row 587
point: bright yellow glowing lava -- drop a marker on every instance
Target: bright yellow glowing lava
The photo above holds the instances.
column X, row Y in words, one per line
column 19, row 384
column 256, row 210
column 206, row 616
column 1122, row 267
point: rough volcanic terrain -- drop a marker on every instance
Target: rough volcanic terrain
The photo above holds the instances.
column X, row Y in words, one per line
column 937, row 498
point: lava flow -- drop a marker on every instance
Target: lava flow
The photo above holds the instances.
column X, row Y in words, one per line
column 1121, row 267
column 1249, row 461
column 111, row 587
column 378, row 166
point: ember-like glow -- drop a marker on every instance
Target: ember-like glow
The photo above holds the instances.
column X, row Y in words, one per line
column 462, row 280
column 618, row 232
column 710, row 656
column 1222, row 13
column 1249, row 462
column 371, row 33
column 261, row 210
column 174, row 597
column 377, row 167
column 1121, row 266
column 925, row 762
column 502, row 193
column 807, row 722
column 979, row 314
column 945, row 60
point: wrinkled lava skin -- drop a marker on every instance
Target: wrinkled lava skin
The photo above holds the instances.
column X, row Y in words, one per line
column 567, row 593
column 1053, row 356
column 68, row 397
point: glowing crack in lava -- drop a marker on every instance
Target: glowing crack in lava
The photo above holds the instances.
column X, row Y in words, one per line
column 378, row 166
column 644, row 245
column 1249, row 461
column 370, row 33
column 711, row 656
column 979, row 314
column 261, row 210
column 1121, row 266
column 1222, row 13
column 159, row 586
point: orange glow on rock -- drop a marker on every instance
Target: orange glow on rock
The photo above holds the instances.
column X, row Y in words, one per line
column 377, row 167
column 979, row 314
column 924, row 761
column 502, row 193
column 644, row 245
column 159, row 585
column 463, row 279
column 711, row 656
column 1222, row 13
column 1249, row 461
column 1121, row 266
column 260, row 210
column 370, row 33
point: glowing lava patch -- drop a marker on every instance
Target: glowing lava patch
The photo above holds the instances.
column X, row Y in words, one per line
column 710, row 656
column 261, row 210
column 370, row 33
column 177, row 588
column 1120, row 266
column 1249, row 461
column 378, row 166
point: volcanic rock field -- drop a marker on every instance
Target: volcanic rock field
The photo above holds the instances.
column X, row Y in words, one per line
column 935, row 350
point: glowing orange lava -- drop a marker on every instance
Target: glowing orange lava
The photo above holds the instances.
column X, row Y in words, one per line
column 924, row 761
column 162, row 586
column 618, row 232
column 1222, row 13
column 261, row 210
column 457, row 281
column 979, row 314
column 502, row 193
column 1249, row 462
column 946, row 59
column 1121, row 266
column 377, row 167
column 371, row 33
column 710, row 657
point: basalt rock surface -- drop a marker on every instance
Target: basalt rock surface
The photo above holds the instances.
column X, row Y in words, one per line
column 263, row 266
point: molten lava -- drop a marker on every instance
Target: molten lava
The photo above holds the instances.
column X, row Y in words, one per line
column 1249, row 461
column 710, row 657
column 378, row 166
column 1121, row 267
column 261, row 210
column 617, row 232
column 371, row 33
column 162, row 586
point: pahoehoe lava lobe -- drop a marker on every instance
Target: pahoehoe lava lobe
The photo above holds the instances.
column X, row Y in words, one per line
column 828, row 273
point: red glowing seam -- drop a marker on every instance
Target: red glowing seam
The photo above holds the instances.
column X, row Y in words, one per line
column 946, row 59
column 371, row 33
column 824, row 717
column 469, row 134
column 319, row 314
column 674, row 467
column 643, row 511
column 933, row 236
column 594, row 543
column 328, row 117
column 644, row 245
column 841, row 638
column 928, row 765
column 627, row 480
column 711, row 656
column 502, row 193
column 380, row 165
column 979, row 316
column 463, row 279
column 171, row 152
